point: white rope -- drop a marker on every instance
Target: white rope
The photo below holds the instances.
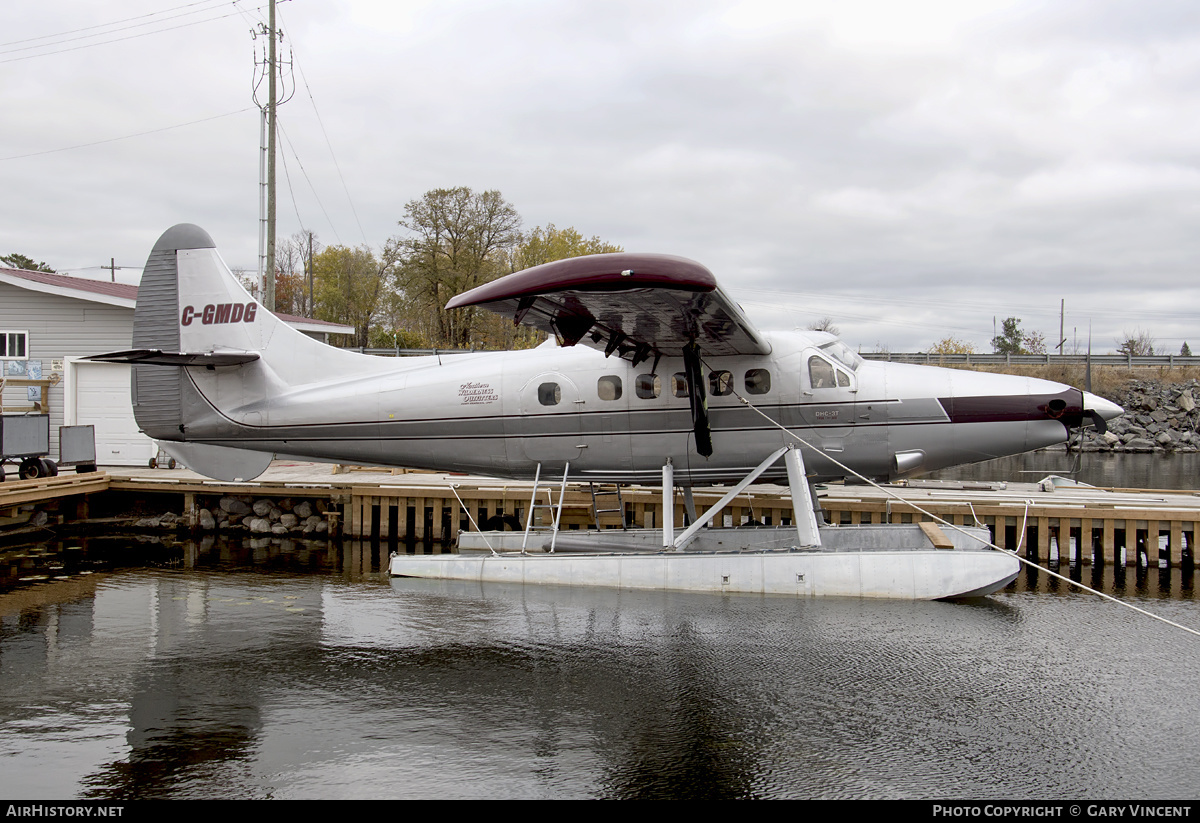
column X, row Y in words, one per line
column 1024, row 521
column 482, row 534
column 944, row 522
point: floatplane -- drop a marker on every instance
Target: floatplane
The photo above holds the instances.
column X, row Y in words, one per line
column 653, row 374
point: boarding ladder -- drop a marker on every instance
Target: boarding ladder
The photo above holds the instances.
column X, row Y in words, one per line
column 604, row 491
column 550, row 505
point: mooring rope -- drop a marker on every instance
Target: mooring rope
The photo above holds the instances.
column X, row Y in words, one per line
column 958, row 529
column 486, row 542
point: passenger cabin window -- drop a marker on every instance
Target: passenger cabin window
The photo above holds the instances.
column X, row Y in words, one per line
column 648, row 386
column 679, row 385
column 758, row 381
column 609, row 387
column 720, row 383
column 549, row 394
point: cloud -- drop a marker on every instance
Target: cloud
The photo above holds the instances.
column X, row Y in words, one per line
column 902, row 168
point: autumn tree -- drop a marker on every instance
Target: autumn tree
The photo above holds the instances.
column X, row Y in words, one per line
column 544, row 245
column 456, row 239
column 952, row 345
column 291, row 274
column 349, row 285
column 541, row 245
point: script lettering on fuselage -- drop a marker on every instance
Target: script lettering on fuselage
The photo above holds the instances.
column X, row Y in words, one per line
column 215, row 314
column 476, row 393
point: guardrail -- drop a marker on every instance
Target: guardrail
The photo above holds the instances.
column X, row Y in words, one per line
column 930, row 359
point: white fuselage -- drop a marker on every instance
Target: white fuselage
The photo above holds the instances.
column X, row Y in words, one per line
column 504, row 413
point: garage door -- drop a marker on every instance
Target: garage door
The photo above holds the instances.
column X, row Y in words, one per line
column 101, row 399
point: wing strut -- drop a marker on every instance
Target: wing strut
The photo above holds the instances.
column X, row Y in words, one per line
column 694, row 370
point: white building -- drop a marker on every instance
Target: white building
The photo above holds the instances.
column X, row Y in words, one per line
column 48, row 322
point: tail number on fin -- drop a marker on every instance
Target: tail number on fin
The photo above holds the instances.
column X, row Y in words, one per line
column 212, row 315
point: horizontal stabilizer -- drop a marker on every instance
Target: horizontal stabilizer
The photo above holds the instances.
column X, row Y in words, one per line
column 157, row 357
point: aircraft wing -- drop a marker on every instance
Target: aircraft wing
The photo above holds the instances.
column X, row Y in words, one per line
column 634, row 305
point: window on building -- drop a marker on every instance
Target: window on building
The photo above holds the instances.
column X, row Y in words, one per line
column 14, row 345
column 758, row 381
column 549, row 394
column 648, row 386
column 609, row 387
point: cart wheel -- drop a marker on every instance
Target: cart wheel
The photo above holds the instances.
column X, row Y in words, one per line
column 154, row 462
column 49, row 467
column 171, row 463
column 31, row 469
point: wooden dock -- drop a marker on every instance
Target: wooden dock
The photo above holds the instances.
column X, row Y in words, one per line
column 1155, row 527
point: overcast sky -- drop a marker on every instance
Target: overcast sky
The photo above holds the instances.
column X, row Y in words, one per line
column 911, row 170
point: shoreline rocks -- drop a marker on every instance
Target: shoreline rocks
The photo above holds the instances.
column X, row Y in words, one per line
column 256, row 515
column 1159, row 417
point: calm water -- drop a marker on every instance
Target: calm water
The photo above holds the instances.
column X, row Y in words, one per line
column 289, row 670
column 289, row 677
column 1134, row 471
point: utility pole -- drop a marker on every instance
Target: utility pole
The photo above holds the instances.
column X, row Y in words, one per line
column 272, row 90
column 1062, row 305
column 271, row 69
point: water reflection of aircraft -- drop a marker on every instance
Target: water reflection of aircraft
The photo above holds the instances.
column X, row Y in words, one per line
column 657, row 373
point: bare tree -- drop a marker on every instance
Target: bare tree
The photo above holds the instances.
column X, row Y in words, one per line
column 824, row 324
column 1136, row 343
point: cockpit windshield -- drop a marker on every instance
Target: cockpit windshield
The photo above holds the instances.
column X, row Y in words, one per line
column 842, row 353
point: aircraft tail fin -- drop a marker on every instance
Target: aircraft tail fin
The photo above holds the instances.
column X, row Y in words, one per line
column 204, row 348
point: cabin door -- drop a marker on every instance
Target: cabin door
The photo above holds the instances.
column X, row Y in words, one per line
column 842, row 425
column 549, row 427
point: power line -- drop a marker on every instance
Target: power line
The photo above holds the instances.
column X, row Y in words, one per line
column 332, row 154
column 63, row 37
column 126, row 137
column 236, row 11
column 313, row 188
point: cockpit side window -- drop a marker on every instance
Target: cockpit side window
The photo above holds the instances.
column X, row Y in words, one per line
column 823, row 375
column 820, row 373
